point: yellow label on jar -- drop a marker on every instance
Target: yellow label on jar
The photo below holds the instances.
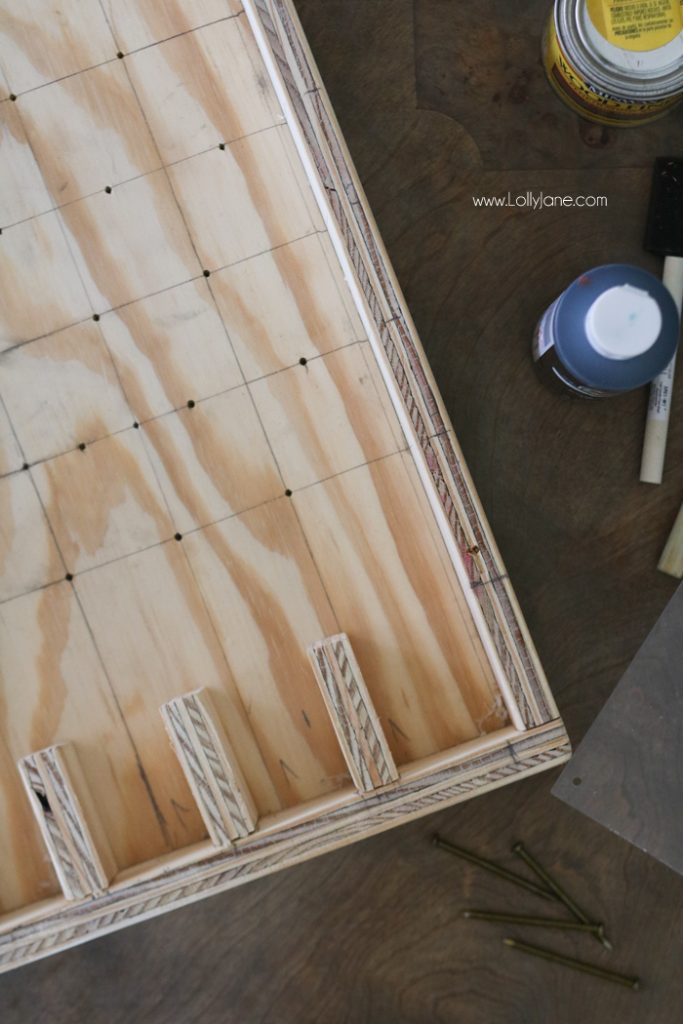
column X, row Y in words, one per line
column 637, row 24
column 589, row 101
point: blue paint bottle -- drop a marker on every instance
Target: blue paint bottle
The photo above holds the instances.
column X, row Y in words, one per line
column 614, row 329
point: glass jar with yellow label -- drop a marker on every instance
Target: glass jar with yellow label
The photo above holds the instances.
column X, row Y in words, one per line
column 618, row 62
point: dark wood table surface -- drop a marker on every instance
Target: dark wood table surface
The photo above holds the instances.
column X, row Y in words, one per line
column 441, row 100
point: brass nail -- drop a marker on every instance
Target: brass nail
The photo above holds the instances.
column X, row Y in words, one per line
column 577, row 965
column 533, row 922
column 495, row 869
column 557, row 889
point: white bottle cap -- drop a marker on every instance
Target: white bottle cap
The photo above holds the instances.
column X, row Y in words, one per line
column 623, row 322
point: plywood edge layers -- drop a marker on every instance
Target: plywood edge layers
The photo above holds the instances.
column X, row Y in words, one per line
column 210, row 767
column 68, row 821
column 402, row 361
column 353, row 715
column 533, row 751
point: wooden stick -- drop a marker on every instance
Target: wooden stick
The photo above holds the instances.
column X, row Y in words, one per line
column 671, row 561
column 659, row 409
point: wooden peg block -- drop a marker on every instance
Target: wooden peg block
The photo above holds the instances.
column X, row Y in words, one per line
column 671, row 561
column 353, row 715
column 68, row 821
column 210, row 767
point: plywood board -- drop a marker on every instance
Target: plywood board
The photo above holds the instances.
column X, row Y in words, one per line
column 221, row 445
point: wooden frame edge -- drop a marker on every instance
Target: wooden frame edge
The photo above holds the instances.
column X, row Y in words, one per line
column 66, row 925
column 402, row 360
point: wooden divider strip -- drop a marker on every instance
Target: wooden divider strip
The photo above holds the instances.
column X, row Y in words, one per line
column 210, row 767
column 68, row 821
column 353, row 715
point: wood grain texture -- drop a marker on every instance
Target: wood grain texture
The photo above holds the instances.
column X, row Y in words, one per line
column 203, row 88
column 35, row 260
column 267, row 603
column 253, row 208
column 355, row 720
column 165, row 655
column 212, row 460
column 112, row 236
column 356, row 524
column 311, row 311
column 68, row 821
column 517, row 755
column 22, row 190
column 138, row 23
column 130, row 515
column 169, row 349
column 87, row 131
column 210, row 767
column 28, row 555
column 61, row 391
column 293, row 404
column 42, row 43
column 10, row 453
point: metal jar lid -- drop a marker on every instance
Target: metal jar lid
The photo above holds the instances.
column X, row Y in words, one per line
column 612, row 70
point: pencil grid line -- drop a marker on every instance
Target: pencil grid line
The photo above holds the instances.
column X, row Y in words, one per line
column 159, row 291
column 92, row 440
column 206, row 526
column 127, row 181
column 115, row 58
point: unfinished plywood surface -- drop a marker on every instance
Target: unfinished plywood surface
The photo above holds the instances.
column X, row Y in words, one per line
column 87, row 132
column 63, row 390
column 170, row 348
column 220, row 446
column 311, row 311
column 203, row 88
column 47, row 654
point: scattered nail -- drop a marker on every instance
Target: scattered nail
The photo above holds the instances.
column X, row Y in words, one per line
column 533, row 922
column 577, row 965
column 495, row 869
column 554, row 886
